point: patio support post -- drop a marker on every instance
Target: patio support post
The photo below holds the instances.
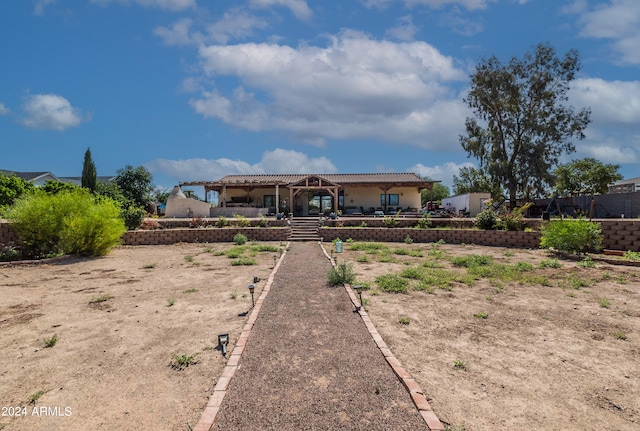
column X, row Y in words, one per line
column 277, row 198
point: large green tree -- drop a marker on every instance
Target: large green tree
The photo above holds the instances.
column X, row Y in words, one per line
column 12, row 187
column 89, row 175
column 437, row 193
column 523, row 123
column 473, row 180
column 585, row 177
column 135, row 184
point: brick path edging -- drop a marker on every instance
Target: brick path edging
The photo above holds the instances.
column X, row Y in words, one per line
column 210, row 412
column 416, row 393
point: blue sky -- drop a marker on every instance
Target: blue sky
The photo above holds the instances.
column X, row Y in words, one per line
column 198, row 89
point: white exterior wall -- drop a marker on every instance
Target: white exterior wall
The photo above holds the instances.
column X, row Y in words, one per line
column 180, row 206
column 366, row 197
column 470, row 202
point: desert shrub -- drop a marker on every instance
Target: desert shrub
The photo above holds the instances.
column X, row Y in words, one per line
column 424, row 223
column 486, row 220
column 571, row 236
column 392, row 283
column 150, row 224
column 240, row 239
column 341, row 274
column 514, row 220
column 390, row 222
column 222, row 222
column 198, row 222
column 263, row 222
column 471, row 260
column 70, row 222
column 241, row 220
column 133, row 217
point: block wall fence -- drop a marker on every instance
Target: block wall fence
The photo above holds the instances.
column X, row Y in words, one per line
column 619, row 234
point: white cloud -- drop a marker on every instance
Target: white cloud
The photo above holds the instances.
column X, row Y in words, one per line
column 177, row 34
column 171, row 5
column 38, row 9
column 405, row 30
column 617, row 20
column 354, row 88
column 272, row 162
column 444, row 172
column 434, row 4
column 50, row 111
column 613, row 103
column 235, row 24
column 299, row 8
column 4, row 110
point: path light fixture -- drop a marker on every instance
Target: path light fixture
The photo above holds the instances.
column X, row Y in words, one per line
column 252, row 288
column 223, row 340
column 256, row 279
column 358, row 289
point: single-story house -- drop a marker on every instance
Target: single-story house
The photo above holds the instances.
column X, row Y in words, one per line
column 40, row 178
column 314, row 194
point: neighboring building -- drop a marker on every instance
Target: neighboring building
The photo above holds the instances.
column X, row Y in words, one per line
column 314, row 194
column 37, row 178
column 466, row 205
column 625, row 186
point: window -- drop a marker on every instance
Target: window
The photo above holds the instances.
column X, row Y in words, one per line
column 392, row 200
column 269, row 201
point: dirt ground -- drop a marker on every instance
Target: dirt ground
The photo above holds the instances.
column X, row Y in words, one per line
column 552, row 348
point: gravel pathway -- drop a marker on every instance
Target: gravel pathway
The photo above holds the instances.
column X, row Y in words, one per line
column 310, row 363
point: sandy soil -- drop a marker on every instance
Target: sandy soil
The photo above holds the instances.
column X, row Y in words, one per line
column 110, row 369
column 547, row 355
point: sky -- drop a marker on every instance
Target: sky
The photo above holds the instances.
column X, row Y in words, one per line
column 194, row 90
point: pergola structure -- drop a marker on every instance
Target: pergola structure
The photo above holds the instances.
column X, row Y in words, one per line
column 294, row 185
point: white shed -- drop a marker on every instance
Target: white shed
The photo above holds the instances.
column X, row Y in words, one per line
column 469, row 204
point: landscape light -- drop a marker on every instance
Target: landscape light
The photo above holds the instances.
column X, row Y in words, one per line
column 252, row 288
column 256, row 279
column 358, row 289
column 223, row 340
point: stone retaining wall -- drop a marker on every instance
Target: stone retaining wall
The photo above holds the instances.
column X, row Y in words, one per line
column 451, row 236
column 619, row 234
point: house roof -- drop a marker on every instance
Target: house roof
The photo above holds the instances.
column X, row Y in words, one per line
column 629, row 181
column 29, row 176
column 397, row 179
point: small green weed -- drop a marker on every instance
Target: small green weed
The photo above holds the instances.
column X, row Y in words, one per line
column 50, row 342
column 191, row 291
column 392, row 283
column 183, row 361
column 550, row 263
column 412, row 273
column 233, row 295
column 587, row 262
column 149, row 266
column 408, row 240
column 101, row 298
column 620, row 335
column 471, row 260
column 363, row 259
column 404, row 320
column 631, row 255
column 35, row 397
column 604, row 303
column 481, row 315
column 188, row 259
column 243, row 261
column 171, row 302
column 459, row 365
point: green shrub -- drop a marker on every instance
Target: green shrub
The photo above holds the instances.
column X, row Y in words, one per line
column 133, row 217
column 390, row 222
column 392, row 283
column 341, row 274
column 263, row 222
column 240, row 239
column 241, row 220
column 70, row 222
column 514, row 220
column 222, row 222
column 571, row 236
column 424, row 223
column 486, row 220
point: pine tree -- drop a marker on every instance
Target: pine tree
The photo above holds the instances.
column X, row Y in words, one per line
column 89, row 177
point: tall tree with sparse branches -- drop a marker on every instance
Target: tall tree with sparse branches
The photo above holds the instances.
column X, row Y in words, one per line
column 523, row 124
column 89, row 176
